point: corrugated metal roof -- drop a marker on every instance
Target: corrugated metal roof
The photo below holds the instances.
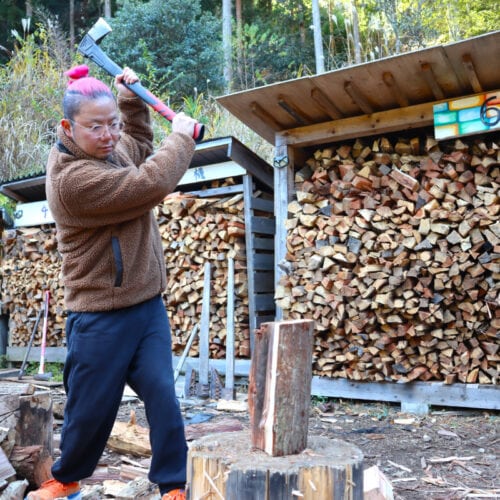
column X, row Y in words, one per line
column 403, row 81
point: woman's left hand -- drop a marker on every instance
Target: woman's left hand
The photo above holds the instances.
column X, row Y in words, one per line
column 127, row 76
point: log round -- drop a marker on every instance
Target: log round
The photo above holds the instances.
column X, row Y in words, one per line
column 224, row 466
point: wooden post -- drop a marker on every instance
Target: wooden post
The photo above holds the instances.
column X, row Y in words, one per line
column 280, row 386
column 203, row 382
column 228, row 391
column 283, row 181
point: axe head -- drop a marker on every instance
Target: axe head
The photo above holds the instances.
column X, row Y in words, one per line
column 89, row 47
column 100, row 29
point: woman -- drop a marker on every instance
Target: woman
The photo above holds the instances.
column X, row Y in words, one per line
column 103, row 182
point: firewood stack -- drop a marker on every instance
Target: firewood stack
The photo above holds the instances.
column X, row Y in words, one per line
column 31, row 265
column 193, row 229
column 393, row 249
column 196, row 230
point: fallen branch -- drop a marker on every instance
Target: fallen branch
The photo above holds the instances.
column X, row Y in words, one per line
column 444, row 460
column 402, row 467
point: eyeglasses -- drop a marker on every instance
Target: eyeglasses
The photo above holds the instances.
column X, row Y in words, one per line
column 98, row 130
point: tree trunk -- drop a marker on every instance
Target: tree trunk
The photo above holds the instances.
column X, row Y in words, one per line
column 227, row 44
column 356, row 41
column 239, row 39
column 107, row 8
column 29, row 442
column 71, row 23
column 318, row 38
column 29, row 8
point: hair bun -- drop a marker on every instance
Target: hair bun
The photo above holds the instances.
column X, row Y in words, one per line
column 77, row 72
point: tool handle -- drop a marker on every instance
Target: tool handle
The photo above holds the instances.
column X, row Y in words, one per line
column 30, row 344
column 90, row 49
column 162, row 108
column 44, row 332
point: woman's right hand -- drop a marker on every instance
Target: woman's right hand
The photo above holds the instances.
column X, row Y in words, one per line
column 183, row 124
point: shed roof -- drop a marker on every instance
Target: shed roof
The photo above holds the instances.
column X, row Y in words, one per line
column 394, row 93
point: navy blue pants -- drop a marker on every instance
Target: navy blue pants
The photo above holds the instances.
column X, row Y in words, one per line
column 106, row 350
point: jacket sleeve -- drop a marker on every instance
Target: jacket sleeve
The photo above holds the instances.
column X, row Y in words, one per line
column 137, row 133
column 95, row 193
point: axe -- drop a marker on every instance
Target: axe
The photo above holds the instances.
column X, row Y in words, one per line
column 89, row 48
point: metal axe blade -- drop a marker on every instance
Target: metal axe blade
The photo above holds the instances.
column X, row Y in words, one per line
column 100, row 29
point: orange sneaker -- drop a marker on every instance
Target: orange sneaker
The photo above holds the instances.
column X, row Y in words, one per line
column 174, row 495
column 52, row 489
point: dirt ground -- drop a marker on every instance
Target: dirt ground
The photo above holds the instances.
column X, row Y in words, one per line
column 447, row 454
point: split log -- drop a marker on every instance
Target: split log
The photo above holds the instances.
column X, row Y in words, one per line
column 279, row 390
column 226, row 467
column 28, row 443
column 129, row 438
column 31, row 463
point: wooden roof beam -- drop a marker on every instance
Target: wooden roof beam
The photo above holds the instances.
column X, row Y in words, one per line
column 252, row 163
column 471, row 73
column 265, row 117
column 326, row 105
column 392, row 85
column 412, row 117
column 430, row 78
column 294, row 111
column 12, row 194
column 358, row 97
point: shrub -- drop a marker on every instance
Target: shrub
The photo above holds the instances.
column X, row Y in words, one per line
column 31, row 87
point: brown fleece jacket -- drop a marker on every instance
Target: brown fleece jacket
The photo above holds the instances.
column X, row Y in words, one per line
column 107, row 233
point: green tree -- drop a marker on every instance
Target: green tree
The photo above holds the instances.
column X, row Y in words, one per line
column 13, row 11
column 389, row 27
column 172, row 45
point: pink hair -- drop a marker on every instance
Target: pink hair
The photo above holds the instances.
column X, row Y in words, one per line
column 80, row 83
column 81, row 88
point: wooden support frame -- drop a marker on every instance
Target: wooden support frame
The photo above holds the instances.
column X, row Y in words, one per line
column 266, row 117
column 471, row 73
column 228, row 391
column 358, row 97
column 299, row 115
column 383, row 122
column 333, row 111
column 203, row 389
column 390, row 82
column 431, row 80
column 259, row 244
column 283, row 182
column 430, row 393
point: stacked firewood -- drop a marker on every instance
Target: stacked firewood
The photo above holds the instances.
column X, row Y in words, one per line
column 393, row 249
column 194, row 231
column 30, row 266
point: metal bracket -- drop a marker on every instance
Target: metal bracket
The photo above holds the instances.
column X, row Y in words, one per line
column 193, row 387
column 281, row 161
